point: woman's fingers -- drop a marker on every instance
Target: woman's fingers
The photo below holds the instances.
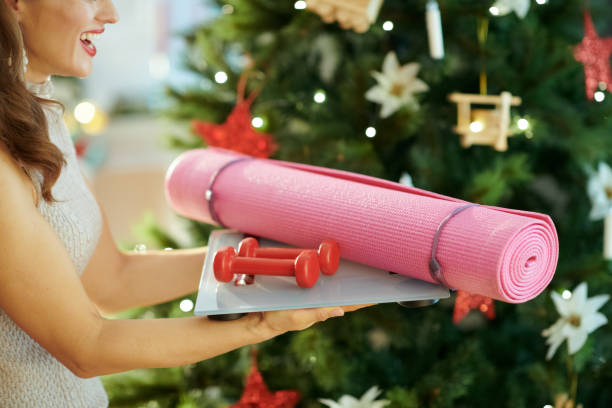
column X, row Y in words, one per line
column 303, row 318
column 323, row 313
column 299, row 319
column 276, row 322
column 352, row 308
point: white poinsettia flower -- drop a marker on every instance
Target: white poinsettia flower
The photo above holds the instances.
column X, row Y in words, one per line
column 579, row 317
column 396, row 85
column 368, row 400
column 600, row 191
column 520, row 7
column 406, row 180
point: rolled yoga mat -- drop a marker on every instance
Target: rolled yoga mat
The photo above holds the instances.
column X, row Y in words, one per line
column 508, row 255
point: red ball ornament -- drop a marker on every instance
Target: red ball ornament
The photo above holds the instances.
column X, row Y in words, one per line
column 257, row 395
column 466, row 301
column 594, row 53
column 237, row 132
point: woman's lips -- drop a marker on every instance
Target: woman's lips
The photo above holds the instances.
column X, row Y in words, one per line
column 88, row 47
column 87, row 44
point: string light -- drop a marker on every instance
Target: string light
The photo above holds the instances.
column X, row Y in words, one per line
column 476, row 126
column 140, row 248
column 599, row 96
column 540, row 2
column 566, row 294
column 186, row 305
column 257, row 122
column 370, row 131
column 300, row 5
column 221, row 77
column 84, row 112
column 387, row 26
column 494, row 10
column 523, row 124
column 319, row 97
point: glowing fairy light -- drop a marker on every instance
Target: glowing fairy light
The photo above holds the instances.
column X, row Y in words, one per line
column 257, row 122
column 387, row 26
column 319, row 97
column 186, row 305
column 221, row 77
column 84, row 112
column 476, row 126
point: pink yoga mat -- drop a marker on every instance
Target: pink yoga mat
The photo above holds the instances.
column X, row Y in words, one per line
column 505, row 254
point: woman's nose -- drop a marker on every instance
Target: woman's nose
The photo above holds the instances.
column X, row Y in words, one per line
column 108, row 13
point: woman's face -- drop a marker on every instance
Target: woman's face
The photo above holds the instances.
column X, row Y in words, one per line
column 59, row 35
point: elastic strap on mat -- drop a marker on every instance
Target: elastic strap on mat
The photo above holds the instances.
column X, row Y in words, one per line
column 434, row 266
column 210, row 197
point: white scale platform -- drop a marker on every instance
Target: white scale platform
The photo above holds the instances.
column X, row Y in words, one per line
column 352, row 284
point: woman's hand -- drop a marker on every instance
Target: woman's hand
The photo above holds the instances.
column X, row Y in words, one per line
column 270, row 324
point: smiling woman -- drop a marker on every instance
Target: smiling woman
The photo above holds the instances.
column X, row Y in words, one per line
column 53, row 30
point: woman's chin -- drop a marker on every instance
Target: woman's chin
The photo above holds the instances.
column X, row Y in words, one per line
column 79, row 71
column 82, row 72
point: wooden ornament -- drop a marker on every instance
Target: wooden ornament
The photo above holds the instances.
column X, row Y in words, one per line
column 354, row 14
column 484, row 126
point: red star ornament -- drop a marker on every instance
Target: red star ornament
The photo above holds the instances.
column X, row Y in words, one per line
column 466, row 301
column 257, row 395
column 594, row 53
column 237, row 132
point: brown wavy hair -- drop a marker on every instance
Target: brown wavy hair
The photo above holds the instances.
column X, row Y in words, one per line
column 23, row 125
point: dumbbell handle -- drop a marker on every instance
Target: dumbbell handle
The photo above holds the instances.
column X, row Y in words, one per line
column 279, row 253
column 263, row 266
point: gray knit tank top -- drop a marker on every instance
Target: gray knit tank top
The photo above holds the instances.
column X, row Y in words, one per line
column 29, row 375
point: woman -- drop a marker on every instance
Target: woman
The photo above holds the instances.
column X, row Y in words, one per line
column 59, row 267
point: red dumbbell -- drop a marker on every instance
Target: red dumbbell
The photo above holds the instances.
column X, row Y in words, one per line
column 328, row 253
column 305, row 267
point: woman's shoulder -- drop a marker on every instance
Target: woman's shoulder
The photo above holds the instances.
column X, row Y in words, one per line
column 15, row 179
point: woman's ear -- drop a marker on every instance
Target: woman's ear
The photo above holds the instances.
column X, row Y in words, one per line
column 15, row 7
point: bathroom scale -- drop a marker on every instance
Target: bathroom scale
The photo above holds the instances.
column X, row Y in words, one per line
column 352, row 284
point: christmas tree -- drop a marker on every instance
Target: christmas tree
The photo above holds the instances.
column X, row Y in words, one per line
column 376, row 102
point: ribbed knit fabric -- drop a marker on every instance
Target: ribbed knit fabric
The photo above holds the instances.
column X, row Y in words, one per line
column 29, row 375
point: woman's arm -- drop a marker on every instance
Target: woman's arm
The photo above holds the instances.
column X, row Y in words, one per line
column 41, row 292
column 116, row 280
column 121, row 345
column 154, row 277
